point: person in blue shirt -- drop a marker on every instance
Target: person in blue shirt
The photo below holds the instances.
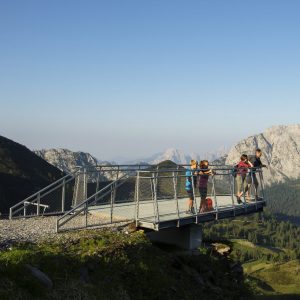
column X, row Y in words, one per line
column 191, row 177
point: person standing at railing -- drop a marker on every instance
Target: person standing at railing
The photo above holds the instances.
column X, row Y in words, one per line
column 242, row 169
column 257, row 165
column 203, row 177
column 191, row 178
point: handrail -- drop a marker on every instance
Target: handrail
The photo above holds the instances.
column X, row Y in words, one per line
column 83, row 206
column 40, row 191
column 89, row 198
column 139, row 167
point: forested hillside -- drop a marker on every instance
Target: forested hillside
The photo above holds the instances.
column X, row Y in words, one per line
column 263, row 230
column 268, row 249
column 284, row 200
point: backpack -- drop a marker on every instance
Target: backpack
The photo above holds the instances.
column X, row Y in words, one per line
column 209, row 204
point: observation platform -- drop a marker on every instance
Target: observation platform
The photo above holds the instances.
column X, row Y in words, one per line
column 152, row 196
column 168, row 215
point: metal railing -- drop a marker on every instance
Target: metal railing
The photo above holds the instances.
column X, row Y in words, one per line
column 72, row 189
column 79, row 217
column 154, row 197
column 150, row 195
column 32, row 205
column 168, row 197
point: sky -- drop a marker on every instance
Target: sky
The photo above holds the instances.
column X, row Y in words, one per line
column 132, row 78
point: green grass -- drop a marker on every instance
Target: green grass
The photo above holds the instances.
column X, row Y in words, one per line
column 119, row 266
column 267, row 276
column 281, row 278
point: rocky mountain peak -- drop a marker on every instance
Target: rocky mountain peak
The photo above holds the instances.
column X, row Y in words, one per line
column 67, row 160
column 281, row 151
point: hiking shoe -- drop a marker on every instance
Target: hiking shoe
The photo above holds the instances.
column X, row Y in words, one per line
column 239, row 201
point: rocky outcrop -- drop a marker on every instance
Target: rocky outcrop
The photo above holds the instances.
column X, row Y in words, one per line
column 66, row 160
column 281, row 152
column 70, row 161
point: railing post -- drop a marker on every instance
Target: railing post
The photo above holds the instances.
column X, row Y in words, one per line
column 112, row 200
column 215, row 196
column 118, row 171
column 85, row 183
column 137, row 198
column 261, row 177
column 155, row 203
column 231, row 181
column 63, row 196
column 86, row 214
column 244, row 191
column 10, row 213
column 157, row 210
column 152, row 184
column 195, row 199
column 253, row 186
column 175, row 194
column 38, row 204
column 97, row 181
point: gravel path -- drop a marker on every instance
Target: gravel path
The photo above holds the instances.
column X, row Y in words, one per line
column 40, row 228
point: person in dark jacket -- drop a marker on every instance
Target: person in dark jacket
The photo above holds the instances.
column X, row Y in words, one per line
column 257, row 164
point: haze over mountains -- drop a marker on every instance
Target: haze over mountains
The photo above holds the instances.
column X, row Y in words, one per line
column 280, row 145
column 22, row 172
column 68, row 161
column 180, row 157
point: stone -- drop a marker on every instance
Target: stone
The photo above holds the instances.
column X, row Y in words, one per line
column 40, row 276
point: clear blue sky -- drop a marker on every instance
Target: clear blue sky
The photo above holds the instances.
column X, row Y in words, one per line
column 131, row 78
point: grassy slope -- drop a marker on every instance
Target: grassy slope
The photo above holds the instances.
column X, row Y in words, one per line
column 266, row 276
column 283, row 278
column 114, row 265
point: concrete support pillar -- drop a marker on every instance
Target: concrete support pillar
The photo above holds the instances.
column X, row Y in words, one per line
column 187, row 237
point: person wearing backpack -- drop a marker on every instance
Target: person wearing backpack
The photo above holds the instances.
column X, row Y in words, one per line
column 242, row 170
column 202, row 183
column 191, row 177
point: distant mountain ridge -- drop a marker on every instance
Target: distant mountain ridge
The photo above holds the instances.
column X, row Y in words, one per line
column 281, row 152
column 280, row 145
column 180, row 157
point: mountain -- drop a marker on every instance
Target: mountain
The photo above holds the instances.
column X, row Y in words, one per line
column 180, row 157
column 66, row 160
column 21, row 173
column 175, row 155
column 69, row 161
column 281, row 152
